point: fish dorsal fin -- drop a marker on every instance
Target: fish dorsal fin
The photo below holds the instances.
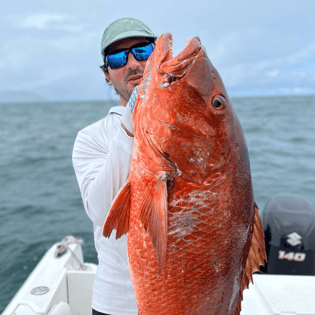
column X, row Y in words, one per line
column 256, row 256
column 119, row 213
column 153, row 215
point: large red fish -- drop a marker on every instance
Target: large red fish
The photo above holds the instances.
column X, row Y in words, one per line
column 194, row 232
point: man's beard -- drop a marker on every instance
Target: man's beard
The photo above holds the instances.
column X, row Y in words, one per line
column 125, row 93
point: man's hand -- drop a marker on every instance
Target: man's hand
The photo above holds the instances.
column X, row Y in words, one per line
column 126, row 120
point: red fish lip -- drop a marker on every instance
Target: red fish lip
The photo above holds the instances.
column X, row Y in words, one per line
column 176, row 67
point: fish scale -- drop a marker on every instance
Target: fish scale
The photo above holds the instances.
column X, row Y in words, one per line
column 207, row 233
column 194, row 235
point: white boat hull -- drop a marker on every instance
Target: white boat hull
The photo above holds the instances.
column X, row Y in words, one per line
column 57, row 286
column 60, row 286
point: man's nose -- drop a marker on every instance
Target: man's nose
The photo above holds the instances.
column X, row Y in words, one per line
column 132, row 63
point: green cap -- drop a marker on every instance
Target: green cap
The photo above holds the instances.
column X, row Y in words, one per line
column 124, row 28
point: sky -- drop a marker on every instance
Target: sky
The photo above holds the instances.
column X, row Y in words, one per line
column 50, row 49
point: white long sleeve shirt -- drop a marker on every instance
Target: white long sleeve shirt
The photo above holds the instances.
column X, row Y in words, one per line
column 101, row 160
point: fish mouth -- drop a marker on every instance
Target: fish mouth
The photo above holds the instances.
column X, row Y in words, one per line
column 175, row 68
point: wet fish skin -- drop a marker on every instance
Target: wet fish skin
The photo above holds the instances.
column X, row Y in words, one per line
column 194, row 232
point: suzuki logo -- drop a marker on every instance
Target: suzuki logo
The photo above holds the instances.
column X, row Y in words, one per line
column 294, row 239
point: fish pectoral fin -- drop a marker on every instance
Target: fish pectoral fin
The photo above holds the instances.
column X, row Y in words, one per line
column 119, row 213
column 257, row 254
column 153, row 215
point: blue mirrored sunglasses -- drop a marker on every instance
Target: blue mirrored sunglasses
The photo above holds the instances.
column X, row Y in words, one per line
column 119, row 58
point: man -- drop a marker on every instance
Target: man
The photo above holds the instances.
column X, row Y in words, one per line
column 101, row 159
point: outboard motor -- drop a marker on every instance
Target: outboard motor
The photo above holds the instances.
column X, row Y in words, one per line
column 289, row 226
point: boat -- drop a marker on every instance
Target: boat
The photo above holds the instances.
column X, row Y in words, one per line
column 62, row 283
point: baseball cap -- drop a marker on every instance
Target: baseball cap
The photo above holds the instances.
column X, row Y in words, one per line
column 124, row 28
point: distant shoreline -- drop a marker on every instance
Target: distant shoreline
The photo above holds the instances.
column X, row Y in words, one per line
column 44, row 100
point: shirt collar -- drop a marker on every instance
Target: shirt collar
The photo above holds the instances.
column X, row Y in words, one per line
column 117, row 110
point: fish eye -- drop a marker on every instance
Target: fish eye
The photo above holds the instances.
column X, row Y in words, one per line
column 219, row 102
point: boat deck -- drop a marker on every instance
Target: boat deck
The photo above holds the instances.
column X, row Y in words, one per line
column 63, row 286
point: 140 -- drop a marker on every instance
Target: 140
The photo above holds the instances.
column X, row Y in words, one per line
column 292, row 256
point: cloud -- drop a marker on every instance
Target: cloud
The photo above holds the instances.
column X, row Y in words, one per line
column 273, row 73
column 33, row 61
column 39, row 21
column 296, row 90
column 252, row 46
column 42, row 20
column 305, row 53
column 45, row 21
column 286, row 68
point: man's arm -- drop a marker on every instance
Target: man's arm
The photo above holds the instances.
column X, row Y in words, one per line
column 101, row 170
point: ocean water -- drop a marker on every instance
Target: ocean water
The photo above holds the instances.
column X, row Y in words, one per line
column 40, row 199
